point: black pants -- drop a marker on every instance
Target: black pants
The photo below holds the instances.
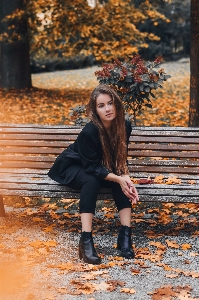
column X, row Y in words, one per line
column 89, row 186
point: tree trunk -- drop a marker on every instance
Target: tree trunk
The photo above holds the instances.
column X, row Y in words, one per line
column 194, row 65
column 14, row 52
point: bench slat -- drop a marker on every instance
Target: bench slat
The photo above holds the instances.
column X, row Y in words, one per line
column 65, row 142
column 131, row 162
column 49, row 194
column 43, row 172
column 142, row 198
column 168, row 147
column 166, row 139
column 163, row 154
column 44, row 179
column 55, row 137
column 42, row 175
column 135, row 128
column 8, row 126
column 159, row 169
column 166, row 133
column 148, row 189
column 164, row 169
column 27, row 158
column 171, row 163
column 54, row 150
column 34, row 150
column 35, row 143
column 23, row 171
column 25, row 165
column 51, row 133
column 49, row 183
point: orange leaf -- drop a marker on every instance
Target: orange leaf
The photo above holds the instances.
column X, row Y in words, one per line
column 171, row 275
column 186, row 246
column 172, row 244
column 158, row 245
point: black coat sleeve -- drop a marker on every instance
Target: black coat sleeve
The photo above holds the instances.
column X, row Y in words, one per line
column 89, row 150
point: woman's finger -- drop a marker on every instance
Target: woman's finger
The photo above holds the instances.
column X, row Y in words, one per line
column 126, row 192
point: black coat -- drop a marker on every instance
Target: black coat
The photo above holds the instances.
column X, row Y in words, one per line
column 85, row 152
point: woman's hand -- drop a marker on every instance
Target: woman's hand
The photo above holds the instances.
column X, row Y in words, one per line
column 126, row 185
column 129, row 189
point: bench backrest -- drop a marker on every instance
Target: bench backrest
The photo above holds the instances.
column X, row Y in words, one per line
column 152, row 150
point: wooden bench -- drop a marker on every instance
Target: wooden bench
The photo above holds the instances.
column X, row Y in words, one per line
column 28, row 151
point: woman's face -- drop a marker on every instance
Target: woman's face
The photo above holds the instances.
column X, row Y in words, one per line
column 105, row 109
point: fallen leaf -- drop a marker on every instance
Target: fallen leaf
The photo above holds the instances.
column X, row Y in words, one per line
column 173, row 180
column 127, row 291
column 192, row 181
column 186, row 246
column 171, row 275
column 158, row 245
column 172, row 244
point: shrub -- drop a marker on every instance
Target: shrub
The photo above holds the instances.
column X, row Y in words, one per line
column 134, row 82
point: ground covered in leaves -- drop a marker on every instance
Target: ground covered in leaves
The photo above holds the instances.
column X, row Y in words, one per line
column 39, row 253
column 53, row 94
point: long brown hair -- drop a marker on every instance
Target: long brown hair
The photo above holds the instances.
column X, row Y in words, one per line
column 114, row 146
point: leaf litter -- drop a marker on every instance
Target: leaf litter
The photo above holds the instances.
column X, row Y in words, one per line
column 29, row 249
column 53, row 94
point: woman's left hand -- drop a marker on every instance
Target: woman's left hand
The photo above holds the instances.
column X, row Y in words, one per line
column 132, row 190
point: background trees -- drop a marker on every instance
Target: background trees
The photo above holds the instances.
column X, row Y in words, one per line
column 14, row 45
column 194, row 64
column 65, row 34
column 101, row 33
column 174, row 34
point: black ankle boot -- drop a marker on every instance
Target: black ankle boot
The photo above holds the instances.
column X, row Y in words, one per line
column 87, row 250
column 124, row 242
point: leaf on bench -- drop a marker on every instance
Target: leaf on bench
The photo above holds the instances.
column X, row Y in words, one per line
column 173, row 180
column 145, row 181
column 159, row 179
column 192, row 181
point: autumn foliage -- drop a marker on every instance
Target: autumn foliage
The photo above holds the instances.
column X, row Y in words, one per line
column 62, row 28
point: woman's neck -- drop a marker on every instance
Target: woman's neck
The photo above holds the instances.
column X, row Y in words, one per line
column 107, row 126
column 108, row 130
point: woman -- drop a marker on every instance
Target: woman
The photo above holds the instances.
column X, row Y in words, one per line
column 97, row 158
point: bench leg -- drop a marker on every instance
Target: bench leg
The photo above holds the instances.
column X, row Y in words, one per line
column 2, row 210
